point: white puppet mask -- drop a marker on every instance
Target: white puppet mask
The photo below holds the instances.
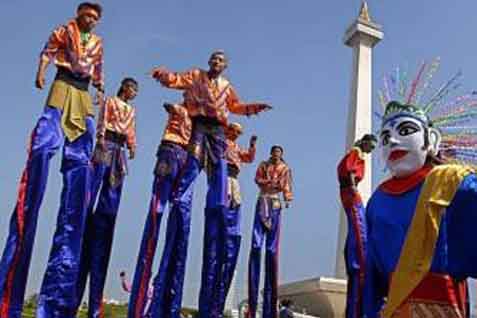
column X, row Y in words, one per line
column 406, row 143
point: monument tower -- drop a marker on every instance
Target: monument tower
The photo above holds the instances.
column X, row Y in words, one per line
column 361, row 36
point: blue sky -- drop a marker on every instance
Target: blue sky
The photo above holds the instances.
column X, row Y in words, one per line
column 288, row 53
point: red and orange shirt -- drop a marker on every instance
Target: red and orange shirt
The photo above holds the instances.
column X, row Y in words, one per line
column 235, row 155
column 179, row 126
column 205, row 97
column 352, row 163
column 119, row 117
column 83, row 58
column 274, row 178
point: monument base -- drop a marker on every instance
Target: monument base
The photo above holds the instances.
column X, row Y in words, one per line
column 322, row 297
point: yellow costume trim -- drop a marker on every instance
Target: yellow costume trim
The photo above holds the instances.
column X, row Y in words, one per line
column 417, row 253
column 76, row 105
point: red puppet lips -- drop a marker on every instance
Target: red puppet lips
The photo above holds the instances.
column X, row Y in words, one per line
column 397, row 154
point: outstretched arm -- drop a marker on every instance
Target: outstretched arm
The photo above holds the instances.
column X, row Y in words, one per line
column 234, row 105
column 175, row 80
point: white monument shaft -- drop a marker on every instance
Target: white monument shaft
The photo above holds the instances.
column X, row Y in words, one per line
column 361, row 36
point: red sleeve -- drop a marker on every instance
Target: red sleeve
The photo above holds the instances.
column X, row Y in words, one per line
column 349, row 164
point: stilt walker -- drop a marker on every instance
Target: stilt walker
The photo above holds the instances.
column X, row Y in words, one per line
column 208, row 97
column 67, row 118
column 116, row 131
column 350, row 172
column 421, row 221
column 273, row 177
column 171, row 158
column 222, row 234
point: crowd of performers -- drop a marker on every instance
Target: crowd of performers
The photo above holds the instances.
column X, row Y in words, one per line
column 198, row 136
column 409, row 250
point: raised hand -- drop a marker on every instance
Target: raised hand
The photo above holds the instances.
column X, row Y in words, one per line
column 253, row 141
column 157, row 71
column 264, row 107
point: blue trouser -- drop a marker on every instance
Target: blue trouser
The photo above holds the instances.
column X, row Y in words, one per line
column 207, row 146
column 169, row 282
column 208, row 150
column 355, row 250
column 231, row 242
column 170, row 160
column 46, row 138
column 266, row 227
column 99, row 233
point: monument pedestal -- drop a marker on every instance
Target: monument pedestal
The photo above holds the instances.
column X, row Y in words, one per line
column 321, row 297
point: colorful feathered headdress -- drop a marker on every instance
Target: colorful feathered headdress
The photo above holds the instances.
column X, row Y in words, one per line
column 453, row 115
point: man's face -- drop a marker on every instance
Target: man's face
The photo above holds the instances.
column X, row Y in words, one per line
column 368, row 146
column 130, row 90
column 232, row 134
column 87, row 20
column 276, row 154
column 403, row 145
column 217, row 63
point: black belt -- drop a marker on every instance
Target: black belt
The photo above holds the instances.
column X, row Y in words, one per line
column 67, row 76
column 233, row 171
column 206, row 121
column 115, row 137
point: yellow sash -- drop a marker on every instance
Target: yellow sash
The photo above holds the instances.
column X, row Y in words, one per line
column 75, row 104
column 417, row 253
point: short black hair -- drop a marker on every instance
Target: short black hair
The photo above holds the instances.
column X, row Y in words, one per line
column 95, row 6
column 124, row 82
column 276, row 147
column 218, row 52
column 286, row 302
column 369, row 137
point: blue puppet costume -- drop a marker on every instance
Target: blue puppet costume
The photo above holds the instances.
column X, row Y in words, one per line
column 273, row 177
column 421, row 222
column 116, row 130
column 171, row 158
column 67, row 119
column 209, row 98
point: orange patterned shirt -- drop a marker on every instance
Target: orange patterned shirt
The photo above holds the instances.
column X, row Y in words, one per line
column 274, row 178
column 179, row 126
column 236, row 156
column 118, row 117
column 67, row 50
column 205, row 97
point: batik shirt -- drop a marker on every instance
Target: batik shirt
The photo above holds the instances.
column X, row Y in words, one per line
column 118, row 117
column 66, row 48
column 179, row 126
column 274, row 178
column 204, row 97
column 235, row 155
